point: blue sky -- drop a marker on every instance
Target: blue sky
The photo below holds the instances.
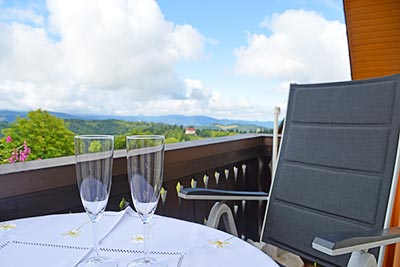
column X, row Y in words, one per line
column 225, row 59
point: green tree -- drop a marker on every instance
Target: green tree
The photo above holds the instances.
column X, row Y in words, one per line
column 3, row 125
column 119, row 142
column 47, row 135
column 171, row 140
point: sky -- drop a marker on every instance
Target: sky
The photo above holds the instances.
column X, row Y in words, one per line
column 225, row 59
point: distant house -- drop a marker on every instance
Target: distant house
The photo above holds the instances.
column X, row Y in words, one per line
column 190, row 130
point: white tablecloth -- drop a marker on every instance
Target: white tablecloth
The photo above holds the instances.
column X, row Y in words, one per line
column 55, row 240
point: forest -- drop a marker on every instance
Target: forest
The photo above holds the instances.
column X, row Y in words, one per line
column 41, row 135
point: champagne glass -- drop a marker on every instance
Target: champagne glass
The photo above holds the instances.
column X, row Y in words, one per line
column 145, row 159
column 94, row 159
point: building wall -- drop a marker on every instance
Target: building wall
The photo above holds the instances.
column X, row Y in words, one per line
column 373, row 31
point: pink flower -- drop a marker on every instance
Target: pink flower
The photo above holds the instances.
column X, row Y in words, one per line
column 22, row 156
column 26, row 151
column 13, row 158
column 18, row 154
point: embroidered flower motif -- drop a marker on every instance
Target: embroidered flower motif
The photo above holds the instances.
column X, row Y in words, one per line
column 76, row 232
column 137, row 239
column 220, row 243
column 7, row 226
column 72, row 233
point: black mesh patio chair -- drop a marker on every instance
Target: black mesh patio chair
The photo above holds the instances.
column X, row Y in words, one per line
column 336, row 176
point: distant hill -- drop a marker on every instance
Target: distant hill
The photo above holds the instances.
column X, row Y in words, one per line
column 10, row 115
column 241, row 128
column 197, row 121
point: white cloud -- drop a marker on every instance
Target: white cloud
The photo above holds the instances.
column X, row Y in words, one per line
column 200, row 100
column 187, row 42
column 195, row 89
column 110, row 57
column 108, row 54
column 222, row 106
column 302, row 47
column 120, row 57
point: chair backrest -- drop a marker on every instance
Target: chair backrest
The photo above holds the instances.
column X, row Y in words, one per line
column 336, row 163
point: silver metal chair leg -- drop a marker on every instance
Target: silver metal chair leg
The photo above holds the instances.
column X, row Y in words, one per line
column 221, row 210
column 362, row 259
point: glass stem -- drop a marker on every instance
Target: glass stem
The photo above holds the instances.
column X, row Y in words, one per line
column 95, row 240
column 146, row 240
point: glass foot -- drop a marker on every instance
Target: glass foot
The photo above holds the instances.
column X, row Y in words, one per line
column 99, row 262
column 148, row 262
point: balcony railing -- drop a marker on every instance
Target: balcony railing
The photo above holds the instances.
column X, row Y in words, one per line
column 239, row 162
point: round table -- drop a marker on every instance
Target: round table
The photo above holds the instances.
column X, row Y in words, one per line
column 65, row 240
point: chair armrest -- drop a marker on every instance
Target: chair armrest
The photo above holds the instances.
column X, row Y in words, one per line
column 213, row 194
column 341, row 243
